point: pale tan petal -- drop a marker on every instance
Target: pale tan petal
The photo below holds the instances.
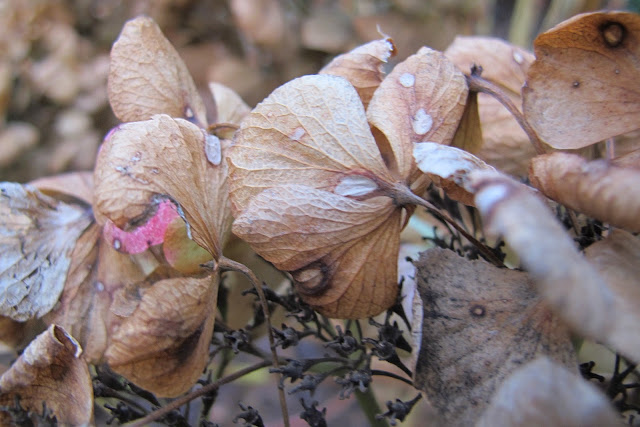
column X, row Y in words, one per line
column 421, row 100
column 312, row 130
column 148, row 77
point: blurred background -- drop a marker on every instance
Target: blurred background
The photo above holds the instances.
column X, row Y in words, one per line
column 54, row 112
column 54, row 54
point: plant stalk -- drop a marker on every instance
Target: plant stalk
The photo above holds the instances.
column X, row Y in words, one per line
column 228, row 264
column 155, row 415
column 478, row 84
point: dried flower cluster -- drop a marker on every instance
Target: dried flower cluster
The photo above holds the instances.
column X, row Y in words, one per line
column 320, row 179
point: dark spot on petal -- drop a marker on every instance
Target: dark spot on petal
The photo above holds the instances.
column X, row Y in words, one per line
column 477, row 310
column 576, row 84
column 312, row 279
column 613, row 33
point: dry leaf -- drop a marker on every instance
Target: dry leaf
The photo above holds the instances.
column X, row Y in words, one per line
column 363, row 66
column 163, row 346
column 597, row 188
column 582, row 87
column 148, row 77
column 505, row 145
column 343, row 260
column 480, row 323
column 570, row 284
column 421, row 100
column 544, row 393
column 38, row 235
column 449, row 168
column 142, row 164
column 51, row 371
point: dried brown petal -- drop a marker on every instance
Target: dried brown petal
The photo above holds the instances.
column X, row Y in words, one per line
column 230, row 107
column 583, row 86
column 570, row 284
column 628, row 160
column 449, row 168
column 597, row 188
column 545, row 393
column 421, row 100
column 341, row 252
column 74, row 184
column 164, row 345
column 261, row 21
column 617, row 259
column 505, row 145
column 363, row 66
column 148, row 77
column 38, row 235
column 502, row 63
column 51, row 371
column 142, row 163
column 480, row 324
column 468, row 136
column 96, row 273
column 312, row 130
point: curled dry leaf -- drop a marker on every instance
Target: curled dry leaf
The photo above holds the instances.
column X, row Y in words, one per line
column 363, row 66
column 143, row 164
column 164, row 345
column 449, row 168
column 421, row 100
column 596, row 188
column 51, row 371
column 505, row 145
column 571, row 285
column 583, row 86
column 148, row 77
column 38, row 235
column 480, row 323
column 545, row 393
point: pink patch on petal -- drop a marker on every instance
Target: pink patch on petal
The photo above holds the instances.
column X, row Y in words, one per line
column 149, row 234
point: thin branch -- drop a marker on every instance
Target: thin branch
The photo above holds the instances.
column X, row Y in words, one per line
column 228, row 264
column 478, row 84
column 391, row 375
column 156, row 415
column 403, row 196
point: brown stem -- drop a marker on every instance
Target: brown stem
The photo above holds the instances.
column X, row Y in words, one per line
column 403, row 195
column 229, row 264
column 478, row 84
column 161, row 412
column 217, row 126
